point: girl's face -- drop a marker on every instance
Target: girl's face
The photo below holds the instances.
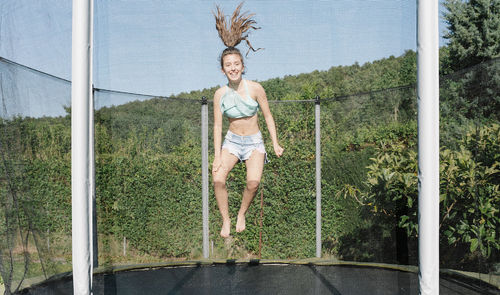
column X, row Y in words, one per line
column 232, row 67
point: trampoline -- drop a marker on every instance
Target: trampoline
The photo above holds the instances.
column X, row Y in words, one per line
column 143, row 194
column 262, row 277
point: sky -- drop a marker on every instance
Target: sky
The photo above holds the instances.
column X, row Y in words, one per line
column 166, row 47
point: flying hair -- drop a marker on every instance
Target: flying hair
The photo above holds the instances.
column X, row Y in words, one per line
column 237, row 31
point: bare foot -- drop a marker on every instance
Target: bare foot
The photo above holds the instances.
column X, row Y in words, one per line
column 240, row 223
column 226, row 229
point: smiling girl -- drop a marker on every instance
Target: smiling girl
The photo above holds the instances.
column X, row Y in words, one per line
column 239, row 101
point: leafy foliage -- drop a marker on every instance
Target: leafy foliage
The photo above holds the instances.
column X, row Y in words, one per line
column 469, row 196
column 473, row 31
column 470, row 191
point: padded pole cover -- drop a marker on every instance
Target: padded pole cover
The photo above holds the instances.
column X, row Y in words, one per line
column 428, row 145
column 80, row 147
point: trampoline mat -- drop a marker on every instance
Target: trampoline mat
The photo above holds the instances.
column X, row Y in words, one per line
column 260, row 279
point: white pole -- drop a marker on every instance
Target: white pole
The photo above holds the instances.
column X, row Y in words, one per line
column 317, row 112
column 80, row 170
column 428, row 145
column 204, row 173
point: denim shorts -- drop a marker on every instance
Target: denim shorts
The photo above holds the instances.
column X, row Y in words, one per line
column 243, row 146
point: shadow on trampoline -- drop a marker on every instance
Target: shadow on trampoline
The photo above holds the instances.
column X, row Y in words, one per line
column 323, row 280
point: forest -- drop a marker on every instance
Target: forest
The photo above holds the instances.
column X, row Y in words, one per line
column 148, row 171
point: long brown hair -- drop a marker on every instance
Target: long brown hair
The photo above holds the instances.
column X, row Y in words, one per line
column 236, row 32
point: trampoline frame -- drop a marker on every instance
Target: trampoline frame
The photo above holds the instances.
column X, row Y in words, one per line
column 457, row 278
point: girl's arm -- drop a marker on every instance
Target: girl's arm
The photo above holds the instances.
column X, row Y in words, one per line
column 217, row 131
column 271, row 126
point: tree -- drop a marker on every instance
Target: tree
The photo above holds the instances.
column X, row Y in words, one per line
column 474, row 31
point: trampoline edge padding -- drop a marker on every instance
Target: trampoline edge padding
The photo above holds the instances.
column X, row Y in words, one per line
column 206, row 262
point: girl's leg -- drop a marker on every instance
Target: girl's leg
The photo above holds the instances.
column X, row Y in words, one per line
column 219, row 177
column 255, row 165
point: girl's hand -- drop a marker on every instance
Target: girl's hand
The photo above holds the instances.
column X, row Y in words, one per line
column 278, row 150
column 216, row 164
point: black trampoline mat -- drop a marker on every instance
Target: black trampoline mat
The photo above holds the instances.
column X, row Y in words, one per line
column 260, row 279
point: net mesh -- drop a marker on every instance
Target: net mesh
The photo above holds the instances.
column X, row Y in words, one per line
column 148, row 179
column 35, row 190
column 354, row 228
column 148, row 170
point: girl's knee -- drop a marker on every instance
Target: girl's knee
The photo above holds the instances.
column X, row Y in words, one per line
column 219, row 178
column 219, row 184
column 253, row 185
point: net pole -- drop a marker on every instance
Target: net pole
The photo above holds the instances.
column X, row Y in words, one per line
column 428, row 145
column 93, row 206
column 204, row 173
column 80, row 147
column 317, row 124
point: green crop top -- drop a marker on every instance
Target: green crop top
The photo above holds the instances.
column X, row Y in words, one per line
column 234, row 106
